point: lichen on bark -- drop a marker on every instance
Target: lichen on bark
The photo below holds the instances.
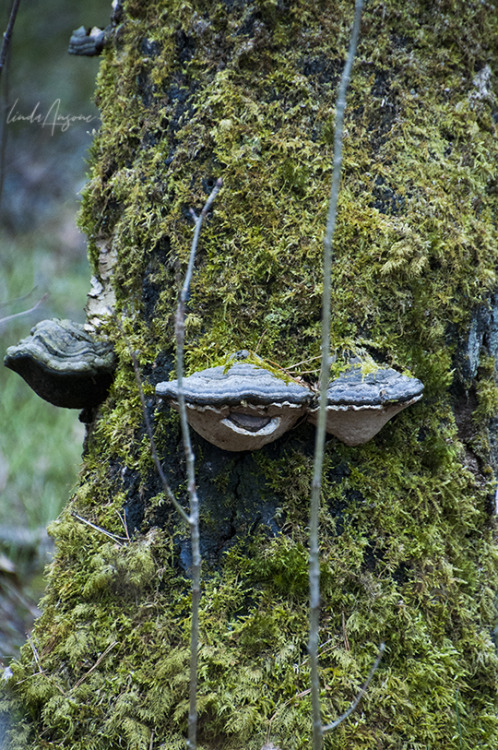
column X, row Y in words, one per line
column 189, row 92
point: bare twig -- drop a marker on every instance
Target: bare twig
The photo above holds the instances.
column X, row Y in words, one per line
column 119, row 539
column 459, row 726
column 314, row 563
column 17, row 299
column 40, row 668
column 303, row 362
column 190, row 461
column 35, row 652
column 285, row 370
column 150, row 433
column 309, row 372
column 122, row 518
column 282, row 707
column 345, row 635
column 334, row 724
column 8, row 34
column 193, row 516
column 8, row 318
column 260, row 340
column 4, row 86
column 102, row 656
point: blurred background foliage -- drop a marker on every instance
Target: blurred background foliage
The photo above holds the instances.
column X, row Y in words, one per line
column 41, row 252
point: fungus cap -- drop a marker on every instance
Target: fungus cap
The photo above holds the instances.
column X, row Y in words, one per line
column 64, row 364
column 358, row 405
column 240, row 408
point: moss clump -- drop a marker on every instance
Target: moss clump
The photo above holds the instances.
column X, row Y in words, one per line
column 190, row 92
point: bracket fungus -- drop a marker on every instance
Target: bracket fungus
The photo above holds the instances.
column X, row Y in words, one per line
column 240, row 408
column 87, row 42
column 358, row 405
column 64, row 364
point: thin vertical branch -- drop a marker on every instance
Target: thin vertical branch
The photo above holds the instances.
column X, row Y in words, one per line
column 150, row 433
column 314, row 562
column 459, row 726
column 4, row 88
column 190, row 461
column 8, row 34
column 193, row 516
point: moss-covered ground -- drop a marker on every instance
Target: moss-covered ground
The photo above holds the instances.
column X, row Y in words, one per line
column 190, row 91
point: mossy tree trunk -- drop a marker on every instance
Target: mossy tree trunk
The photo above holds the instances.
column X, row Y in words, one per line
column 189, row 92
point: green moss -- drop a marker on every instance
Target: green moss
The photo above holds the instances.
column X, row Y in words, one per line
column 487, row 391
column 408, row 554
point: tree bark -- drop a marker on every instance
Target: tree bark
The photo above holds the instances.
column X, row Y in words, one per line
column 194, row 91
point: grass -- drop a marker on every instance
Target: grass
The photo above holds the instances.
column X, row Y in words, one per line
column 40, row 445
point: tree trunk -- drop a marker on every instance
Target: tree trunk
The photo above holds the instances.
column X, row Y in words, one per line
column 194, row 91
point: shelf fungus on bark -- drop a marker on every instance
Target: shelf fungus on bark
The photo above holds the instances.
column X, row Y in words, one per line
column 240, row 408
column 87, row 42
column 64, row 364
column 358, row 405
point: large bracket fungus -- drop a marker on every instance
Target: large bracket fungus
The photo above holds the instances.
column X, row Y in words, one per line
column 359, row 405
column 64, row 364
column 245, row 406
column 240, row 408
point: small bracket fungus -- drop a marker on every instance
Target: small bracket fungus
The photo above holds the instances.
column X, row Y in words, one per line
column 241, row 408
column 358, row 405
column 87, row 42
column 64, row 364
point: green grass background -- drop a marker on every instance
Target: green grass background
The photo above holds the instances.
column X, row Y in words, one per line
column 41, row 252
